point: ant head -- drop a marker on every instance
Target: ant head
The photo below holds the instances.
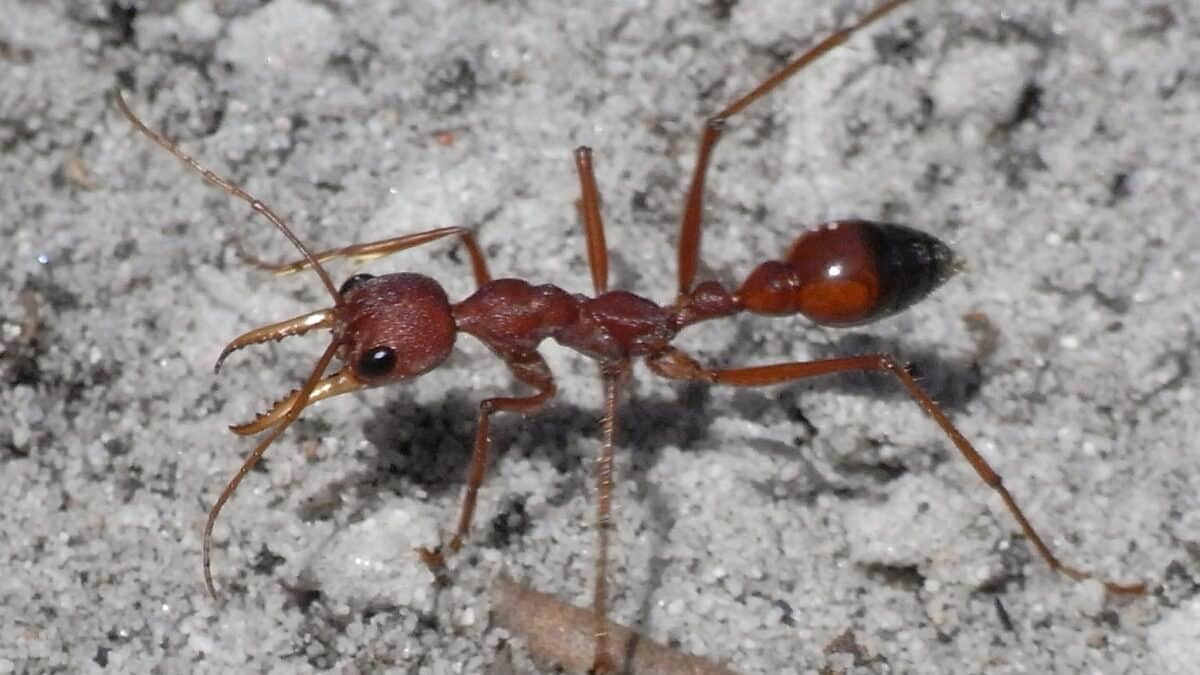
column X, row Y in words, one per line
column 385, row 329
column 393, row 327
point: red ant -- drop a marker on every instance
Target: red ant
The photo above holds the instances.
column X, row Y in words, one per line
column 395, row 327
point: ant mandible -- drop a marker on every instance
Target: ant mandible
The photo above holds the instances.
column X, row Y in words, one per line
column 395, row 327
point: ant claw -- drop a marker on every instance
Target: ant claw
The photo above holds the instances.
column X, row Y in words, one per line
column 433, row 559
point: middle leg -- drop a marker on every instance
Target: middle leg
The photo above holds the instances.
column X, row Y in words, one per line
column 602, row 659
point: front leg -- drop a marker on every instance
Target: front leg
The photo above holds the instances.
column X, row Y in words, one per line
column 531, row 369
column 363, row 253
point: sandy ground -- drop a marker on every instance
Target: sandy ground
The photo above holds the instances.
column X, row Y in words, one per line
column 826, row 525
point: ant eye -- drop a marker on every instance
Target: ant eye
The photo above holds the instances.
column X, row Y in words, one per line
column 354, row 282
column 377, row 362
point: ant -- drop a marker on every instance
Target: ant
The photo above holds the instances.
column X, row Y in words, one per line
column 395, row 327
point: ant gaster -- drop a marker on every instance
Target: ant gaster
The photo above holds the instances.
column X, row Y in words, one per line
column 395, row 327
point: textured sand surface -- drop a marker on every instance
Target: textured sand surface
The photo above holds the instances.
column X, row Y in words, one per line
column 822, row 525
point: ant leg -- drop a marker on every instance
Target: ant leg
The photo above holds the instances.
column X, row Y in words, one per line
column 677, row 365
column 693, row 211
column 602, row 660
column 531, row 369
column 593, row 224
column 361, row 253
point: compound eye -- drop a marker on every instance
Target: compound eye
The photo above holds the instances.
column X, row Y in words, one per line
column 377, row 362
column 354, row 282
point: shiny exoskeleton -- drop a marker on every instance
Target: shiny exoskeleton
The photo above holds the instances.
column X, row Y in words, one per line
column 395, row 327
column 844, row 273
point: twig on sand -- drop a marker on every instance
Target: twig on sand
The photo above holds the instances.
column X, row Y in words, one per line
column 557, row 632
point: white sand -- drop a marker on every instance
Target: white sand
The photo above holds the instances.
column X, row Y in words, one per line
column 741, row 535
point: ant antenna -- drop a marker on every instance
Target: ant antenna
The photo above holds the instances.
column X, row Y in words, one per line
column 212, row 177
column 304, row 394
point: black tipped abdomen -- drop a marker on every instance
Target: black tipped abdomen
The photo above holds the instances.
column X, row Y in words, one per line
column 850, row 272
column 911, row 264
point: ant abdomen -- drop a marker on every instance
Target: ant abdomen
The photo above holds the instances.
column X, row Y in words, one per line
column 848, row 272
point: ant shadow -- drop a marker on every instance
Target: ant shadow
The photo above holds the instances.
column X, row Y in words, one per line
column 429, row 447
